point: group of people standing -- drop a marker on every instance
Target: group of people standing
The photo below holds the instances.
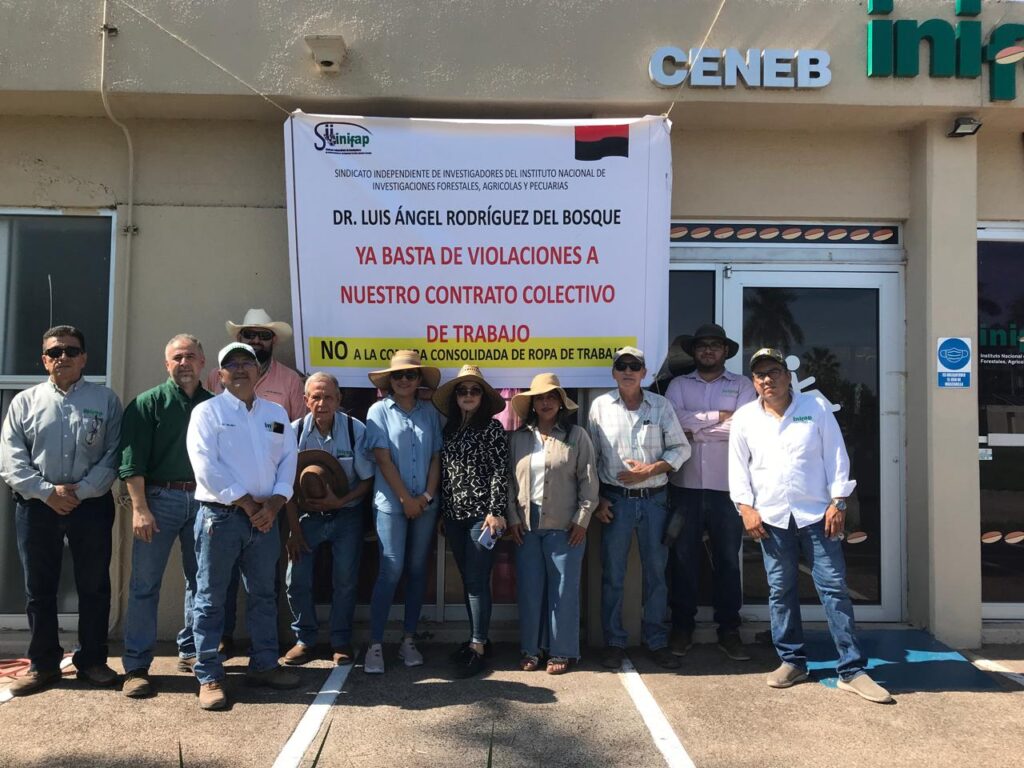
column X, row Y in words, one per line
column 216, row 473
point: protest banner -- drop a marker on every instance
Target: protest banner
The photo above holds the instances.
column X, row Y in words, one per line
column 519, row 246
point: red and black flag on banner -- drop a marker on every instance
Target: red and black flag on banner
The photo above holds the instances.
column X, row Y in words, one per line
column 596, row 141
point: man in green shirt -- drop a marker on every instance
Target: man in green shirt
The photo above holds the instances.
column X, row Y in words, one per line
column 156, row 469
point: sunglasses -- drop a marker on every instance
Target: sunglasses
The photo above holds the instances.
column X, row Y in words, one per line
column 55, row 353
column 635, row 367
column 250, row 334
column 468, row 391
column 412, row 375
column 234, row 365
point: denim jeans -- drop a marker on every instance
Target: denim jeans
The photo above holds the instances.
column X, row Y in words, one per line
column 404, row 546
column 548, row 573
column 231, row 604
column 714, row 512
column 781, row 551
column 475, row 562
column 41, row 533
column 224, row 536
column 344, row 530
column 648, row 517
column 175, row 515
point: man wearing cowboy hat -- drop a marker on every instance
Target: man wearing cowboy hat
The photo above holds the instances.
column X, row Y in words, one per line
column 637, row 443
column 243, row 452
column 704, row 400
column 333, row 476
column 277, row 383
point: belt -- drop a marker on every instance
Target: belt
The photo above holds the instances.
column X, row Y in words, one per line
column 217, row 505
column 633, row 493
column 174, row 485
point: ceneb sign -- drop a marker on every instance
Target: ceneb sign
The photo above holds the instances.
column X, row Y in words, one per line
column 520, row 246
column 755, row 68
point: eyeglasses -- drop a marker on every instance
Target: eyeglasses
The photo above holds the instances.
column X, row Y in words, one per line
column 468, row 391
column 251, row 334
column 715, row 345
column 234, row 365
column 771, row 373
column 55, row 353
column 634, row 366
column 412, row 375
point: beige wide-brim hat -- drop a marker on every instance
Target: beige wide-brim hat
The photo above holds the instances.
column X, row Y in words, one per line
column 258, row 318
column 403, row 360
column 492, row 401
column 542, row 383
column 315, row 470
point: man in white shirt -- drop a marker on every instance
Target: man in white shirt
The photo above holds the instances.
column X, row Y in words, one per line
column 789, row 476
column 243, row 451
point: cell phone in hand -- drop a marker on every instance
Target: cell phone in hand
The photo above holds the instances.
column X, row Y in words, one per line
column 487, row 539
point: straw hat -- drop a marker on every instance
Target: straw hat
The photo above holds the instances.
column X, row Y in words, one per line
column 403, row 360
column 315, row 472
column 258, row 318
column 541, row 384
column 494, row 402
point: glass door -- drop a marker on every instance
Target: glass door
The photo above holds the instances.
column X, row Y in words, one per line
column 843, row 331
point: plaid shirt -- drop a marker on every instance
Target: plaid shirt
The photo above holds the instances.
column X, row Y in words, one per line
column 650, row 433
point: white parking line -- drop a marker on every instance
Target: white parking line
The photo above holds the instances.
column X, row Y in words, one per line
column 6, row 695
column 994, row 666
column 295, row 748
column 665, row 738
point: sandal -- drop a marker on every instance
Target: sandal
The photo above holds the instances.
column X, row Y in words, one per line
column 529, row 663
column 557, row 665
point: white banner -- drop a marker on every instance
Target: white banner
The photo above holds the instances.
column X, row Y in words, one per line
column 518, row 246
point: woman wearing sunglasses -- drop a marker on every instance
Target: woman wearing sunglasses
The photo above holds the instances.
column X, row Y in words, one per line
column 554, row 493
column 404, row 434
column 474, row 498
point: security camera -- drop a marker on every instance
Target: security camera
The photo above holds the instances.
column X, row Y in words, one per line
column 328, row 51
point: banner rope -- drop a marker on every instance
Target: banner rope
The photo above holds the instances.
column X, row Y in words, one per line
column 199, row 53
column 699, row 50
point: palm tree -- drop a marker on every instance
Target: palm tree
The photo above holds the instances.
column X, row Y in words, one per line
column 768, row 320
column 823, row 365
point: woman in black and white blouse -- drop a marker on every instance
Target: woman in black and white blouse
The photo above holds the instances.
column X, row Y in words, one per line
column 474, row 497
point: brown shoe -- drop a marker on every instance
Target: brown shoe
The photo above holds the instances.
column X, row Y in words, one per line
column 33, row 681
column 212, row 696
column 137, row 684
column 187, row 666
column 343, row 655
column 278, row 678
column 99, row 675
column 297, row 655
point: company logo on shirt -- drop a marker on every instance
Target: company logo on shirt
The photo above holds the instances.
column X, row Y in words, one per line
column 803, row 419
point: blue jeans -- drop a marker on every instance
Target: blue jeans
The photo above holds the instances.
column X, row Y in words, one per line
column 648, row 517
column 548, row 574
column 41, row 533
column 714, row 512
column 404, row 546
column 224, row 536
column 475, row 562
column 781, row 551
column 344, row 530
column 175, row 515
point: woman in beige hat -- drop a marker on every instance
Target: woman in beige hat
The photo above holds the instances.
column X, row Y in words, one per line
column 404, row 434
column 554, row 493
column 474, row 498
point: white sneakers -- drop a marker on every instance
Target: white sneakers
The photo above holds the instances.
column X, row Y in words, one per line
column 373, row 663
column 408, row 652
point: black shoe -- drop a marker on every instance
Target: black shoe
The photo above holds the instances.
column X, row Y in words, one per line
column 461, row 653
column 612, row 657
column 680, row 642
column 732, row 646
column 664, row 658
column 98, row 675
column 473, row 664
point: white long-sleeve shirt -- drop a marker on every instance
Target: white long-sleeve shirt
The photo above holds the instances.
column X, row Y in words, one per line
column 793, row 466
column 235, row 451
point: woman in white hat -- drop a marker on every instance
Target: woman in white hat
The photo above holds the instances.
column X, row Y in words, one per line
column 554, row 492
column 404, row 434
column 474, row 498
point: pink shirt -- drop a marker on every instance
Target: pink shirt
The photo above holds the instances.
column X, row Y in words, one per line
column 697, row 403
column 280, row 384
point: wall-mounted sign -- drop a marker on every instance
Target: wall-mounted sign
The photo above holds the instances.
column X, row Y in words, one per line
column 755, row 68
column 893, row 47
column 953, row 355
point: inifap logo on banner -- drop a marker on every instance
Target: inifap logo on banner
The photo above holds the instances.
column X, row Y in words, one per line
column 518, row 246
column 954, row 362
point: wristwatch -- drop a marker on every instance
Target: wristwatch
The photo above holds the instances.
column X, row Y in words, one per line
column 431, row 498
column 839, row 504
